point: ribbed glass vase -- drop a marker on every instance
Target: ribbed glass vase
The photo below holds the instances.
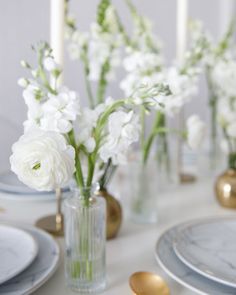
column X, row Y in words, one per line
column 85, row 240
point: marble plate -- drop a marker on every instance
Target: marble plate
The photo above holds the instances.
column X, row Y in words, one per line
column 17, row 250
column 168, row 260
column 15, row 189
column 209, row 247
column 42, row 268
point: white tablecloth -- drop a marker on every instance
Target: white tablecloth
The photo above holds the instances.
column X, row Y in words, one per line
column 133, row 249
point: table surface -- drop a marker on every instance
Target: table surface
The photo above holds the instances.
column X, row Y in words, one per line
column 133, row 249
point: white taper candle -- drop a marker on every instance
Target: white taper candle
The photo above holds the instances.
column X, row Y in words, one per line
column 57, row 31
column 181, row 27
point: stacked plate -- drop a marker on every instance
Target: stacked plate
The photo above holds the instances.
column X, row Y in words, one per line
column 201, row 255
column 16, row 190
column 28, row 258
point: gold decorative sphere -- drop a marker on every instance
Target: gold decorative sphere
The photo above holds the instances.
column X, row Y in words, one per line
column 114, row 213
column 225, row 189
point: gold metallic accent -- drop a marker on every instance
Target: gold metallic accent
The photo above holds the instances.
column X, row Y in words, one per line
column 114, row 213
column 225, row 189
column 187, row 178
column 147, row 283
column 54, row 224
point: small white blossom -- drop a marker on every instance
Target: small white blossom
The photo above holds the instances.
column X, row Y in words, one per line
column 50, row 64
column 59, row 111
column 22, row 82
column 123, row 130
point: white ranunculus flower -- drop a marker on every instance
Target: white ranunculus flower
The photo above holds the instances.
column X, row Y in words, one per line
column 196, row 130
column 43, row 160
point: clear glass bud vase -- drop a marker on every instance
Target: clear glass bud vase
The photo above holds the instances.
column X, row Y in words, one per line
column 143, row 192
column 85, row 240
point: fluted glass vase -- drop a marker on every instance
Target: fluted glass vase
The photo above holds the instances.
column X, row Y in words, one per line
column 85, row 239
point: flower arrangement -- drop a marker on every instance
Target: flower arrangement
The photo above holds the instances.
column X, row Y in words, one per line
column 145, row 68
column 144, row 65
column 81, row 135
column 218, row 66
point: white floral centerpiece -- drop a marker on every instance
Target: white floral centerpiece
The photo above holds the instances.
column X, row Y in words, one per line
column 63, row 140
column 86, row 135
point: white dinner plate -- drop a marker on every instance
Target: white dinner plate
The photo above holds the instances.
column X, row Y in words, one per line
column 209, row 247
column 17, row 250
column 168, row 260
column 42, row 268
column 16, row 190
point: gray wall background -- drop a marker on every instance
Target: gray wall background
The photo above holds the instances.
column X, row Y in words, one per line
column 24, row 22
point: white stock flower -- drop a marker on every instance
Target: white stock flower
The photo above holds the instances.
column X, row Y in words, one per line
column 79, row 41
column 32, row 93
column 86, row 122
column 196, row 131
column 50, row 64
column 59, row 111
column 142, row 62
column 35, row 112
column 43, row 160
column 129, row 83
column 224, row 77
column 123, row 130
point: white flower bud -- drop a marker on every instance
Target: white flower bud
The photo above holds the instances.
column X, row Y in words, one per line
column 34, row 73
column 24, row 64
column 22, row 82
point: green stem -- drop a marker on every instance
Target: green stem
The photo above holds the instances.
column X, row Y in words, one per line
column 87, row 82
column 43, row 75
column 79, row 173
column 102, row 180
column 213, row 104
column 143, row 127
column 232, row 161
column 149, row 142
column 102, row 84
column 123, row 31
column 163, row 152
column 91, row 167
